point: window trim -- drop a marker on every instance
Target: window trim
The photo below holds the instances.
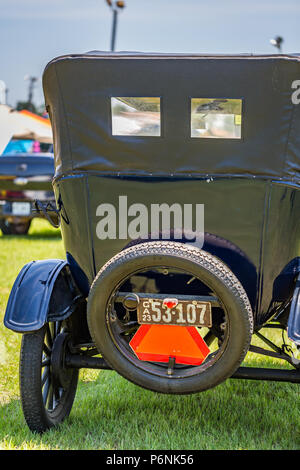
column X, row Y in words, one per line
column 135, row 136
column 216, row 139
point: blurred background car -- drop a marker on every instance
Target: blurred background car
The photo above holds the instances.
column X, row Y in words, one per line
column 26, row 168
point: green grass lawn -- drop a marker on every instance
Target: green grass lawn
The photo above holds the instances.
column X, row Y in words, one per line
column 111, row 413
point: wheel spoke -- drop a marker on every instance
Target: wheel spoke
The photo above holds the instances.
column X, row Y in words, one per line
column 46, row 350
column 45, row 376
column 53, row 330
column 49, row 402
column 57, row 395
column 58, row 325
column 49, row 337
column 46, row 390
column 46, row 362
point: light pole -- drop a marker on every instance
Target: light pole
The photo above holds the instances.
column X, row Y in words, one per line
column 115, row 6
column 32, row 82
column 277, row 42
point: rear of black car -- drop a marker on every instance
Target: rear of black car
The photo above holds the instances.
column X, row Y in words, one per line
column 24, row 178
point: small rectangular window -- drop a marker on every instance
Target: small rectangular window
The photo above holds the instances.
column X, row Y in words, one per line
column 216, row 118
column 136, row 116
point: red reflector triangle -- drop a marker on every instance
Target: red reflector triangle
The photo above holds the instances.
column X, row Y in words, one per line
column 158, row 343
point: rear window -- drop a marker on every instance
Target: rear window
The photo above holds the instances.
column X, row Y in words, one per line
column 136, row 116
column 216, row 118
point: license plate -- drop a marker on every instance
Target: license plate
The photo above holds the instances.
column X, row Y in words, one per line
column 173, row 312
column 21, row 208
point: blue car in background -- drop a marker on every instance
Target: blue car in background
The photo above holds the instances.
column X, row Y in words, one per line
column 26, row 171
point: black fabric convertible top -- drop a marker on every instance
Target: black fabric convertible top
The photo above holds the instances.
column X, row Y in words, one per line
column 78, row 90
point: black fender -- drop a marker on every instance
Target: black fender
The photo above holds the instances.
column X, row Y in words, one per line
column 43, row 291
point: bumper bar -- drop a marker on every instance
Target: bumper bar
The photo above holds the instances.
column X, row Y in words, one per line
column 78, row 361
column 257, row 373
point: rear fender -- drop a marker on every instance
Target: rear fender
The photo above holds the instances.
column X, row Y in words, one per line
column 43, row 291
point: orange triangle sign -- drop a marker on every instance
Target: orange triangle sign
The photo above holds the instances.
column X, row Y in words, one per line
column 159, row 343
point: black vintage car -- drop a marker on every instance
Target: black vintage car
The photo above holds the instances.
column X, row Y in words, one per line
column 177, row 186
column 24, row 178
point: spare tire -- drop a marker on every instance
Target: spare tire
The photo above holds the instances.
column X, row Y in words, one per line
column 111, row 332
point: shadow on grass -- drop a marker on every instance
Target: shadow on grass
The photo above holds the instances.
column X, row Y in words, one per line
column 111, row 413
column 36, row 233
column 35, row 236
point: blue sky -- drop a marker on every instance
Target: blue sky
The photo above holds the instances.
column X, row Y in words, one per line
column 32, row 32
